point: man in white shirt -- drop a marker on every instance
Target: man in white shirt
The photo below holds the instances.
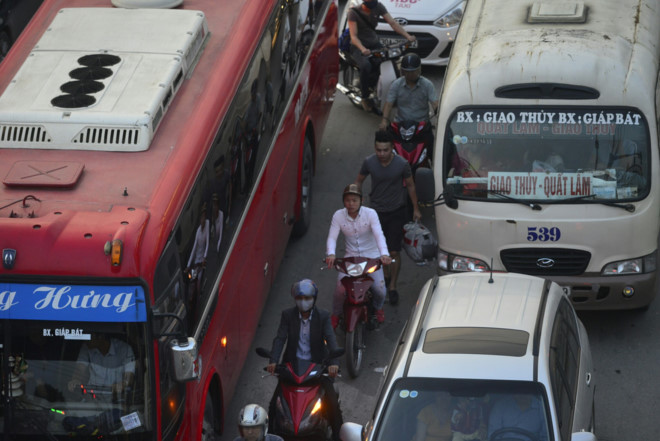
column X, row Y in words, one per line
column 364, row 237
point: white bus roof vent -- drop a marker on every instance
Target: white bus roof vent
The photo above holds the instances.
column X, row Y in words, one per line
column 86, row 86
column 557, row 12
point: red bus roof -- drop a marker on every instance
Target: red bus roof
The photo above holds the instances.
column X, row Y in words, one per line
column 134, row 196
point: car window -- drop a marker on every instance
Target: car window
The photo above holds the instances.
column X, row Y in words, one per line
column 424, row 409
column 564, row 363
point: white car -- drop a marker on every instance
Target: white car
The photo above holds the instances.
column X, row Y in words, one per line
column 499, row 357
column 433, row 22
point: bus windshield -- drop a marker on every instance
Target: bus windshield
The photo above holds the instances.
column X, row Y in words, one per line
column 74, row 362
column 75, row 378
column 548, row 154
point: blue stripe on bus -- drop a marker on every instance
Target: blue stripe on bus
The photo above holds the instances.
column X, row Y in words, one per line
column 79, row 303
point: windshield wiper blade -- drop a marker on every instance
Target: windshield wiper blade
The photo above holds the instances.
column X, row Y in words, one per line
column 628, row 207
column 532, row 205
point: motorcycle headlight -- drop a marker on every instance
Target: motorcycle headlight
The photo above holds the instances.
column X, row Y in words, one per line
column 640, row 265
column 451, row 18
column 312, row 416
column 408, row 133
column 355, row 269
column 452, row 262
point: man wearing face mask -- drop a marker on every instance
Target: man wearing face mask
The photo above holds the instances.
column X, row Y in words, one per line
column 307, row 332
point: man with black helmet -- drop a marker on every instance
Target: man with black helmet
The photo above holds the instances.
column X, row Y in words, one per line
column 253, row 425
column 308, row 335
column 411, row 93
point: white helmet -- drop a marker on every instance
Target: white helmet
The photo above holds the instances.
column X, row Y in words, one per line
column 253, row 415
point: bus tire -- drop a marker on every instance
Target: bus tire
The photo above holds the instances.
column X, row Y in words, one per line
column 211, row 421
column 303, row 221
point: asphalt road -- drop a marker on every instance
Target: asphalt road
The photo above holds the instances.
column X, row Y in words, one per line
column 624, row 344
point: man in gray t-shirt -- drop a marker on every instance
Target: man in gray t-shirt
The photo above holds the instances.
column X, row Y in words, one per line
column 391, row 179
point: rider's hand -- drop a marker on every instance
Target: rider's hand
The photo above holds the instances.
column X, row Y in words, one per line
column 383, row 124
column 73, row 385
column 330, row 260
column 417, row 215
column 333, row 370
column 366, row 51
column 412, row 38
column 271, row 368
column 386, row 260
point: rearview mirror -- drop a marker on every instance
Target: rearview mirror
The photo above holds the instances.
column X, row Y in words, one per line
column 425, row 185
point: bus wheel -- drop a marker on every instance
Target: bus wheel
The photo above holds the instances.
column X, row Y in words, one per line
column 211, row 425
column 307, row 172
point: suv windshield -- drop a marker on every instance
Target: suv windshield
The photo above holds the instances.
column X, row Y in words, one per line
column 430, row 408
column 548, row 154
column 63, row 378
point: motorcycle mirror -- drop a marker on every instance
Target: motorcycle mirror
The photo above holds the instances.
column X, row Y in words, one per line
column 263, row 352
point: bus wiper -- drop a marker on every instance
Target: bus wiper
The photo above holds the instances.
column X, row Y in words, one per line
column 532, row 205
column 628, row 207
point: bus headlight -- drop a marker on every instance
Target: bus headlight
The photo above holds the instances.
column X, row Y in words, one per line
column 640, row 265
column 453, row 262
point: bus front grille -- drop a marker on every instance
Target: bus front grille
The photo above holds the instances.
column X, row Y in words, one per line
column 545, row 261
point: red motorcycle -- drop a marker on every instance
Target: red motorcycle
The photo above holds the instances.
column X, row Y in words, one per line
column 357, row 306
column 300, row 408
column 413, row 142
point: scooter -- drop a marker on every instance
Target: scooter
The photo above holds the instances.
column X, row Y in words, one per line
column 412, row 142
column 357, row 306
column 387, row 59
column 300, row 408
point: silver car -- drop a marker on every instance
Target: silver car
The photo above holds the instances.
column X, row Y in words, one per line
column 499, row 357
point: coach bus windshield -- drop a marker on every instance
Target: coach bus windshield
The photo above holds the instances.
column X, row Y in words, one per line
column 63, row 378
column 548, row 154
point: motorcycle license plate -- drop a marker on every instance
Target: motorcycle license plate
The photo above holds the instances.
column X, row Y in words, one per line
column 386, row 41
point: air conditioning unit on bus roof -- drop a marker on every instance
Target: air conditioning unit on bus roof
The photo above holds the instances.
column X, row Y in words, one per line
column 100, row 79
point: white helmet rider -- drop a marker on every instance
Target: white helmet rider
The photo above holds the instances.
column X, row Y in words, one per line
column 253, row 417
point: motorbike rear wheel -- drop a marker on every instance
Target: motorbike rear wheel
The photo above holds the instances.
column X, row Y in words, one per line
column 355, row 349
column 351, row 79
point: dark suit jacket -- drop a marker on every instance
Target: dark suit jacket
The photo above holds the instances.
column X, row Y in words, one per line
column 322, row 336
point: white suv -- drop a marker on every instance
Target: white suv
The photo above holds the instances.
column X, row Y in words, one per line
column 433, row 22
column 489, row 358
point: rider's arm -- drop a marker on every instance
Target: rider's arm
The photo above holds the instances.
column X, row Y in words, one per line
column 387, row 108
column 397, row 27
column 361, row 177
column 333, row 234
column 410, row 185
column 355, row 41
column 280, row 339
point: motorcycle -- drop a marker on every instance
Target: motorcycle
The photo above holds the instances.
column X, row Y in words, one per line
column 387, row 59
column 300, row 408
column 412, row 141
column 357, row 306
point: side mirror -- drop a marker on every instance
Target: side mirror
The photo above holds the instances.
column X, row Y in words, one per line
column 184, row 359
column 583, row 436
column 350, row 432
column 425, row 185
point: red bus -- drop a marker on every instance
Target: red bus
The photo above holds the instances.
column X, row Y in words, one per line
column 154, row 163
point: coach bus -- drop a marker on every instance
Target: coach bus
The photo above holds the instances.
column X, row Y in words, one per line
column 154, row 163
column 547, row 147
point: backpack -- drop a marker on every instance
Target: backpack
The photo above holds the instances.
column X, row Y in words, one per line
column 419, row 243
column 344, row 42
